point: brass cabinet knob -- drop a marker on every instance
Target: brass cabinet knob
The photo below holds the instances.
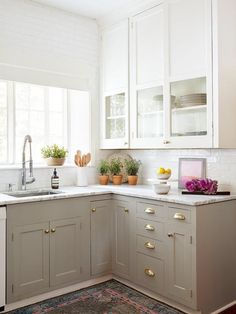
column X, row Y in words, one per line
column 149, row 210
column 149, row 272
column 149, row 245
column 149, row 227
column 93, row 210
column 170, row 235
column 53, row 230
column 179, row 216
column 46, row 231
column 126, row 210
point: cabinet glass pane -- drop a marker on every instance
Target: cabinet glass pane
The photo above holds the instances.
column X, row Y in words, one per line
column 150, row 112
column 189, row 107
column 115, row 116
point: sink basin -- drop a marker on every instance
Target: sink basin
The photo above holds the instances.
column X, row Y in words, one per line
column 33, row 193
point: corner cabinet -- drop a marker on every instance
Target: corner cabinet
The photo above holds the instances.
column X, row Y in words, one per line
column 114, row 81
column 177, row 76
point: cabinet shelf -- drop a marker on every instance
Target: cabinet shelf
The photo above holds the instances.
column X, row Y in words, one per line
column 200, row 107
column 150, row 113
column 116, row 117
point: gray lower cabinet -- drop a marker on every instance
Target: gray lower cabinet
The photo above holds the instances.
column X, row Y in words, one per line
column 121, row 238
column 101, row 237
column 48, row 246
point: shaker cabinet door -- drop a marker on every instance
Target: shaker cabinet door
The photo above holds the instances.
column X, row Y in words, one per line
column 101, row 237
column 65, row 251
column 30, row 249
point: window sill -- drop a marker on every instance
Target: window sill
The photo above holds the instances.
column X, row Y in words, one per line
column 37, row 166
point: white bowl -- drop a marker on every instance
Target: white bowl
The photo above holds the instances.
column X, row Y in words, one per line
column 161, row 188
column 164, row 176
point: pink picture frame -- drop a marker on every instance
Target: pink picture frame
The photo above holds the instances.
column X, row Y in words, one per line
column 191, row 168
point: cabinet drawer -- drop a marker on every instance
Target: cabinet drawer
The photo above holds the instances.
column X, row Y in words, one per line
column 148, row 228
column 151, row 210
column 150, row 272
column 150, row 247
column 179, row 215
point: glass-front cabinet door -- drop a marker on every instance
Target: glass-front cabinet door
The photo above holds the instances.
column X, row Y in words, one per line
column 147, row 73
column 189, row 80
column 114, row 78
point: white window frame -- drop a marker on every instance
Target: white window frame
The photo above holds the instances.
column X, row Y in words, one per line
column 11, row 122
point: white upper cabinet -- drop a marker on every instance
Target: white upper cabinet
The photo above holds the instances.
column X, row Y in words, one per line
column 177, row 73
column 114, row 95
column 147, row 78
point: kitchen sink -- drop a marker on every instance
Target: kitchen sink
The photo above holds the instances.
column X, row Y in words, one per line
column 32, row 193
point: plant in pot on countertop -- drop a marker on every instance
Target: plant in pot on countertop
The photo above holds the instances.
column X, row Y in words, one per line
column 54, row 155
column 103, row 169
column 132, row 168
column 115, row 170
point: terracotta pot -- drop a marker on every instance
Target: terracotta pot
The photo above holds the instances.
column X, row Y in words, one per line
column 132, row 180
column 117, row 180
column 55, row 161
column 103, row 180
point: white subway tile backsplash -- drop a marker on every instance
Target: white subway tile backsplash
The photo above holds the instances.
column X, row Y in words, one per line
column 221, row 163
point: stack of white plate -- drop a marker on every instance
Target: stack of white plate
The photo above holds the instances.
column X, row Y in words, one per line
column 193, row 100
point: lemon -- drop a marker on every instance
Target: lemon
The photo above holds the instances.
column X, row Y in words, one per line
column 168, row 171
column 161, row 170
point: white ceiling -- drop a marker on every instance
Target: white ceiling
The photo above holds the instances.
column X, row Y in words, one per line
column 90, row 8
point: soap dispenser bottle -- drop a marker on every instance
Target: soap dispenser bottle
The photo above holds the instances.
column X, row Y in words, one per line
column 55, row 180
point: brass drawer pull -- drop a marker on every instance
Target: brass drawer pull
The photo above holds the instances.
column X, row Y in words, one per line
column 93, row 210
column 149, row 210
column 53, row 230
column 170, row 235
column 149, row 272
column 179, row 216
column 46, row 231
column 149, row 245
column 149, row 227
column 126, row 210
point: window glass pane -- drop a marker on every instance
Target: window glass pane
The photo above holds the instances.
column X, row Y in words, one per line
column 3, row 122
column 41, row 112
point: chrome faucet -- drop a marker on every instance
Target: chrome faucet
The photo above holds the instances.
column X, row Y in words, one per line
column 31, row 179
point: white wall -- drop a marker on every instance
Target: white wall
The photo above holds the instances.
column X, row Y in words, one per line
column 221, row 163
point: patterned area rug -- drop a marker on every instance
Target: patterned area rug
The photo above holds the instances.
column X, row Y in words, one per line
column 105, row 298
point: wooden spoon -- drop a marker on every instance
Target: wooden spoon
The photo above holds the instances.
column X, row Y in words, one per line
column 88, row 158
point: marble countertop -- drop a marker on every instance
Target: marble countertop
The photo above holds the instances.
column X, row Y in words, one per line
column 142, row 191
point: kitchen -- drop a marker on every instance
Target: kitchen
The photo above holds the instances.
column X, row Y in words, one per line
column 151, row 81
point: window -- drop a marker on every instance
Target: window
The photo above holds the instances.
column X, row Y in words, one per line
column 51, row 115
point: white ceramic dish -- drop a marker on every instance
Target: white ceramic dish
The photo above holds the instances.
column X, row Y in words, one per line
column 161, row 188
column 164, row 176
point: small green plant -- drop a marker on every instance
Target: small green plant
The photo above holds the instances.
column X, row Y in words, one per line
column 53, row 151
column 103, row 167
column 132, row 166
column 115, row 166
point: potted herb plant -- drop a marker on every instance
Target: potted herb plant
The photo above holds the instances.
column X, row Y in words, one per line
column 103, row 169
column 115, row 170
column 132, row 168
column 54, row 155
